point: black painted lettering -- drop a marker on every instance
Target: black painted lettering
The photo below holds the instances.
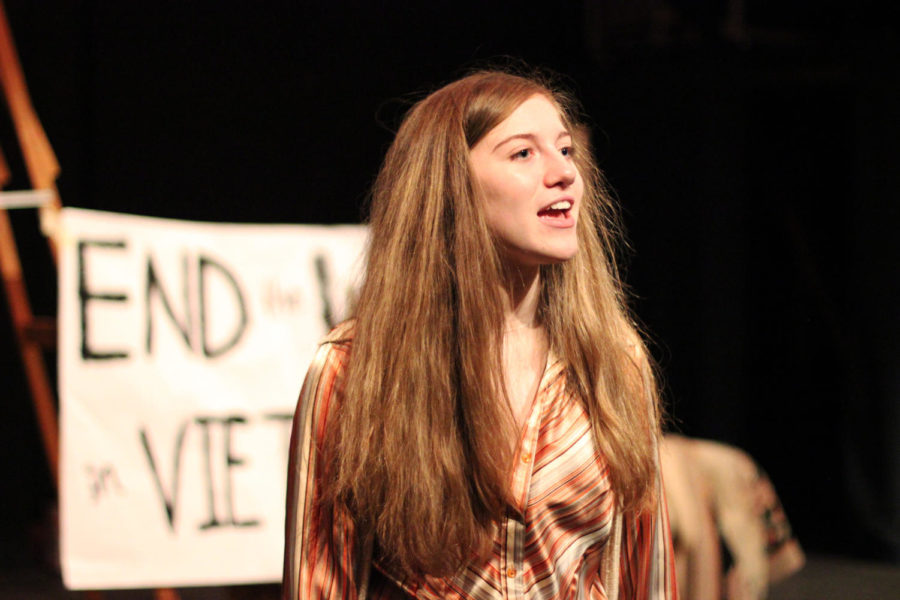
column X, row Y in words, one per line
column 205, row 265
column 88, row 352
column 155, row 288
column 285, row 420
column 170, row 501
column 102, row 480
column 322, row 278
column 231, row 461
column 213, row 521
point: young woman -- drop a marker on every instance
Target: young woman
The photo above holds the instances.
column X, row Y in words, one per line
column 486, row 425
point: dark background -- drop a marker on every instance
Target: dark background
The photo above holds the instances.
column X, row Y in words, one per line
column 752, row 144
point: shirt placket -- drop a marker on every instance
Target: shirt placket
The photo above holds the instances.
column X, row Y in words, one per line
column 514, row 547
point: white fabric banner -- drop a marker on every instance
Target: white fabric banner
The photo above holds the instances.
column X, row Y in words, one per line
column 182, row 348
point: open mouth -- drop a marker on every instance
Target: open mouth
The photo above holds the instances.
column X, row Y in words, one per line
column 558, row 212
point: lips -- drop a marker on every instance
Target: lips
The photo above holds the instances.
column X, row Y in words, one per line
column 556, row 208
column 558, row 214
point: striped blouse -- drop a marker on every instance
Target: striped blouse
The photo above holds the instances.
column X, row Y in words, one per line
column 561, row 538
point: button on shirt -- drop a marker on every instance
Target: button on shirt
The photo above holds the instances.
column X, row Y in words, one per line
column 560, row 539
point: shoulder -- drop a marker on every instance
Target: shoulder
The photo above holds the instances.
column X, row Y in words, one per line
column 341, row 334
column 332, row 354
column 334, row 349
column 325, row 376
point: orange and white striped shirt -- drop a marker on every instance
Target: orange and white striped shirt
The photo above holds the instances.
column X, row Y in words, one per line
column 561, row 539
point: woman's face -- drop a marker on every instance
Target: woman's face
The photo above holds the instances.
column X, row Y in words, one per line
column 531, row 190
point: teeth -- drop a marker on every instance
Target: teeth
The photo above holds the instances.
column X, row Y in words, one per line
column 561, row 205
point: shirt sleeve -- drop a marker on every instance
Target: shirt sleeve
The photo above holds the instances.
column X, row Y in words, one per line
column 647, row 560
column 321, row 557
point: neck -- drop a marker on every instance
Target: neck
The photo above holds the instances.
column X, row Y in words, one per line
column 521, row 293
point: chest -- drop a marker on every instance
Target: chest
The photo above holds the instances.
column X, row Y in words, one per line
column 559, row 520
column 557, row 463
column 524, row 363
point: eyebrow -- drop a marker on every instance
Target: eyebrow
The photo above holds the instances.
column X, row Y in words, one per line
column 530, row 136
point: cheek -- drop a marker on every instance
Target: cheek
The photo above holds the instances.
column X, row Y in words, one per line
column 493, row 207
column 578, row 192
column 503, row 195
column 579, row 186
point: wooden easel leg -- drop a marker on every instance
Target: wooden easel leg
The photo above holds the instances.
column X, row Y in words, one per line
column 30, row 350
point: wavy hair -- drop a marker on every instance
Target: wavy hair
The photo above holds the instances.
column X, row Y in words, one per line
column 413, row 452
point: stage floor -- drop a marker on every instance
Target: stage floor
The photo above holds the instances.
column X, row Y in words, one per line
column 823, row 578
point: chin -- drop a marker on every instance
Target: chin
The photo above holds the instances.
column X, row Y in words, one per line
column 524, row 256
column 562, row 259
column 555, row 258
column 565, row 253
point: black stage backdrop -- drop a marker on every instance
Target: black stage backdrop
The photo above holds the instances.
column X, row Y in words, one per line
column 752, row 144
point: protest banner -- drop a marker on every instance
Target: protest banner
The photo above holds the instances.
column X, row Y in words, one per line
column 182, row 347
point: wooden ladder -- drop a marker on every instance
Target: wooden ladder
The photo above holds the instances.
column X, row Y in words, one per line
column 34, row 334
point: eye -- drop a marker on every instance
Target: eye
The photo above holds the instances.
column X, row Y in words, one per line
column 523, row 153
column 567, row 151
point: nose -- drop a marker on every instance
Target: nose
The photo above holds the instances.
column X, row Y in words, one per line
column 560, row 171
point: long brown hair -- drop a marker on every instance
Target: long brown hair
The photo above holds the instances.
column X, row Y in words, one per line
column 416, row 452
